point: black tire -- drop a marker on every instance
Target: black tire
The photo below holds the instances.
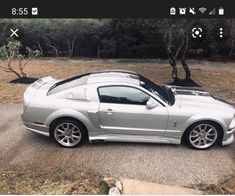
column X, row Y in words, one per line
column 80, row 132
column 215, row 128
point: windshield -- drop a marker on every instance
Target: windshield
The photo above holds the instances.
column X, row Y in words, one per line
column 161, row 91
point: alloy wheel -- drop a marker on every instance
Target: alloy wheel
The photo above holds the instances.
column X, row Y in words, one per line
column 67, row 134
column 203, row 136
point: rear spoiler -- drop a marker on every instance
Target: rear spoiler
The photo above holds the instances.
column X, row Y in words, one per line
column 37, row 84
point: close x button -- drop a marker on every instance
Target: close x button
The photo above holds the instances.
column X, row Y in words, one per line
column 14, row 33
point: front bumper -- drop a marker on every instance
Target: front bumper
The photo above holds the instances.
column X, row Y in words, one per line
column 228, row 137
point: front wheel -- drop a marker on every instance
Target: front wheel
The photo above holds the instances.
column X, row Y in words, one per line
column 202, row 135
column 68, row 133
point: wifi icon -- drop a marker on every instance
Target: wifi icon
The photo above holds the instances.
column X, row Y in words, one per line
column 202, row 10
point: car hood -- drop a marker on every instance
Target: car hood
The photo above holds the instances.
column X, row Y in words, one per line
column 191, row 96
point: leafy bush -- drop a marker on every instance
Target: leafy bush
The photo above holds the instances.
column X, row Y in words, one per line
column 12, row 51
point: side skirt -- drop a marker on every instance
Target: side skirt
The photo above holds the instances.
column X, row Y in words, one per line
column 131, row 138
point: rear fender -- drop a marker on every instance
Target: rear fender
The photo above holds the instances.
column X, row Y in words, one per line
column 67, row 113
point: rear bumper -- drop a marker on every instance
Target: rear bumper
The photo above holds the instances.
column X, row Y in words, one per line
column 37, row 131
column 41, row 129
column 228, row 137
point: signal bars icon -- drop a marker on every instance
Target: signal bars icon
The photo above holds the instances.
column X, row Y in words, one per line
column 212, row 12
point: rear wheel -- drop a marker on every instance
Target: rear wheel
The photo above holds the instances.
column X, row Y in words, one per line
column 202, row 135
column 68, row 133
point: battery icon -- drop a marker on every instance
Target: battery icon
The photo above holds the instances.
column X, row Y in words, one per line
column 221, row 11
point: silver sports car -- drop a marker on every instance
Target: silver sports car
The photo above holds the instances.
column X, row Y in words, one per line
column 124, row 106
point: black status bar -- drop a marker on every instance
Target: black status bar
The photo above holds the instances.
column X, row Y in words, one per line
column 118, row 9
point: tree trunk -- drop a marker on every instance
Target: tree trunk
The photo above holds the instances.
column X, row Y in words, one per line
column 98, row 51
column 9, row 68
column 54, row 48
column 186, row 68
column 231, row 50
column 172, row 61
column 21, row 67
column 40, row 48
column 71, row 48
column 171, row 56
column 183, row 61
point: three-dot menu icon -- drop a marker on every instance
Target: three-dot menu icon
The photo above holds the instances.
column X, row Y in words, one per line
column 221, row 32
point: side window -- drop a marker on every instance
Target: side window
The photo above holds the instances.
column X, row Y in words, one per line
column 122, row 95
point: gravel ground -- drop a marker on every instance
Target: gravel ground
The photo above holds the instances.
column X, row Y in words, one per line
column 165, row 164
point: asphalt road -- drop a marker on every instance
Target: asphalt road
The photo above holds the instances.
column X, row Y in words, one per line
column 166, row 164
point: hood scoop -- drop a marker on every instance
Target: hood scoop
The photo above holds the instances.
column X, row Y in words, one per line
column 189, row 91
column 192, row 92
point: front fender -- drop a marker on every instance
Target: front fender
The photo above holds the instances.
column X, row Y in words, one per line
column 197, row 118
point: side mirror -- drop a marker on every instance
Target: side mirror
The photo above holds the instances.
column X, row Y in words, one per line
column 151, row 103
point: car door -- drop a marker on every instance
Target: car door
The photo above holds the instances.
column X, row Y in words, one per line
column 122, row 110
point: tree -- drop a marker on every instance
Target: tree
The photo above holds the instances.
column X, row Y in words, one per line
column 230, row 42
column 11, row 51
column 176, row 41
column 73, row 38
column 52, row 35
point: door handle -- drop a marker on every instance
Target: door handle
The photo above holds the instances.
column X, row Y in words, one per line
column 108, row 111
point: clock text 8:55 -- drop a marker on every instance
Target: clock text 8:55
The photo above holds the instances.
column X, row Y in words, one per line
column 19, row 11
